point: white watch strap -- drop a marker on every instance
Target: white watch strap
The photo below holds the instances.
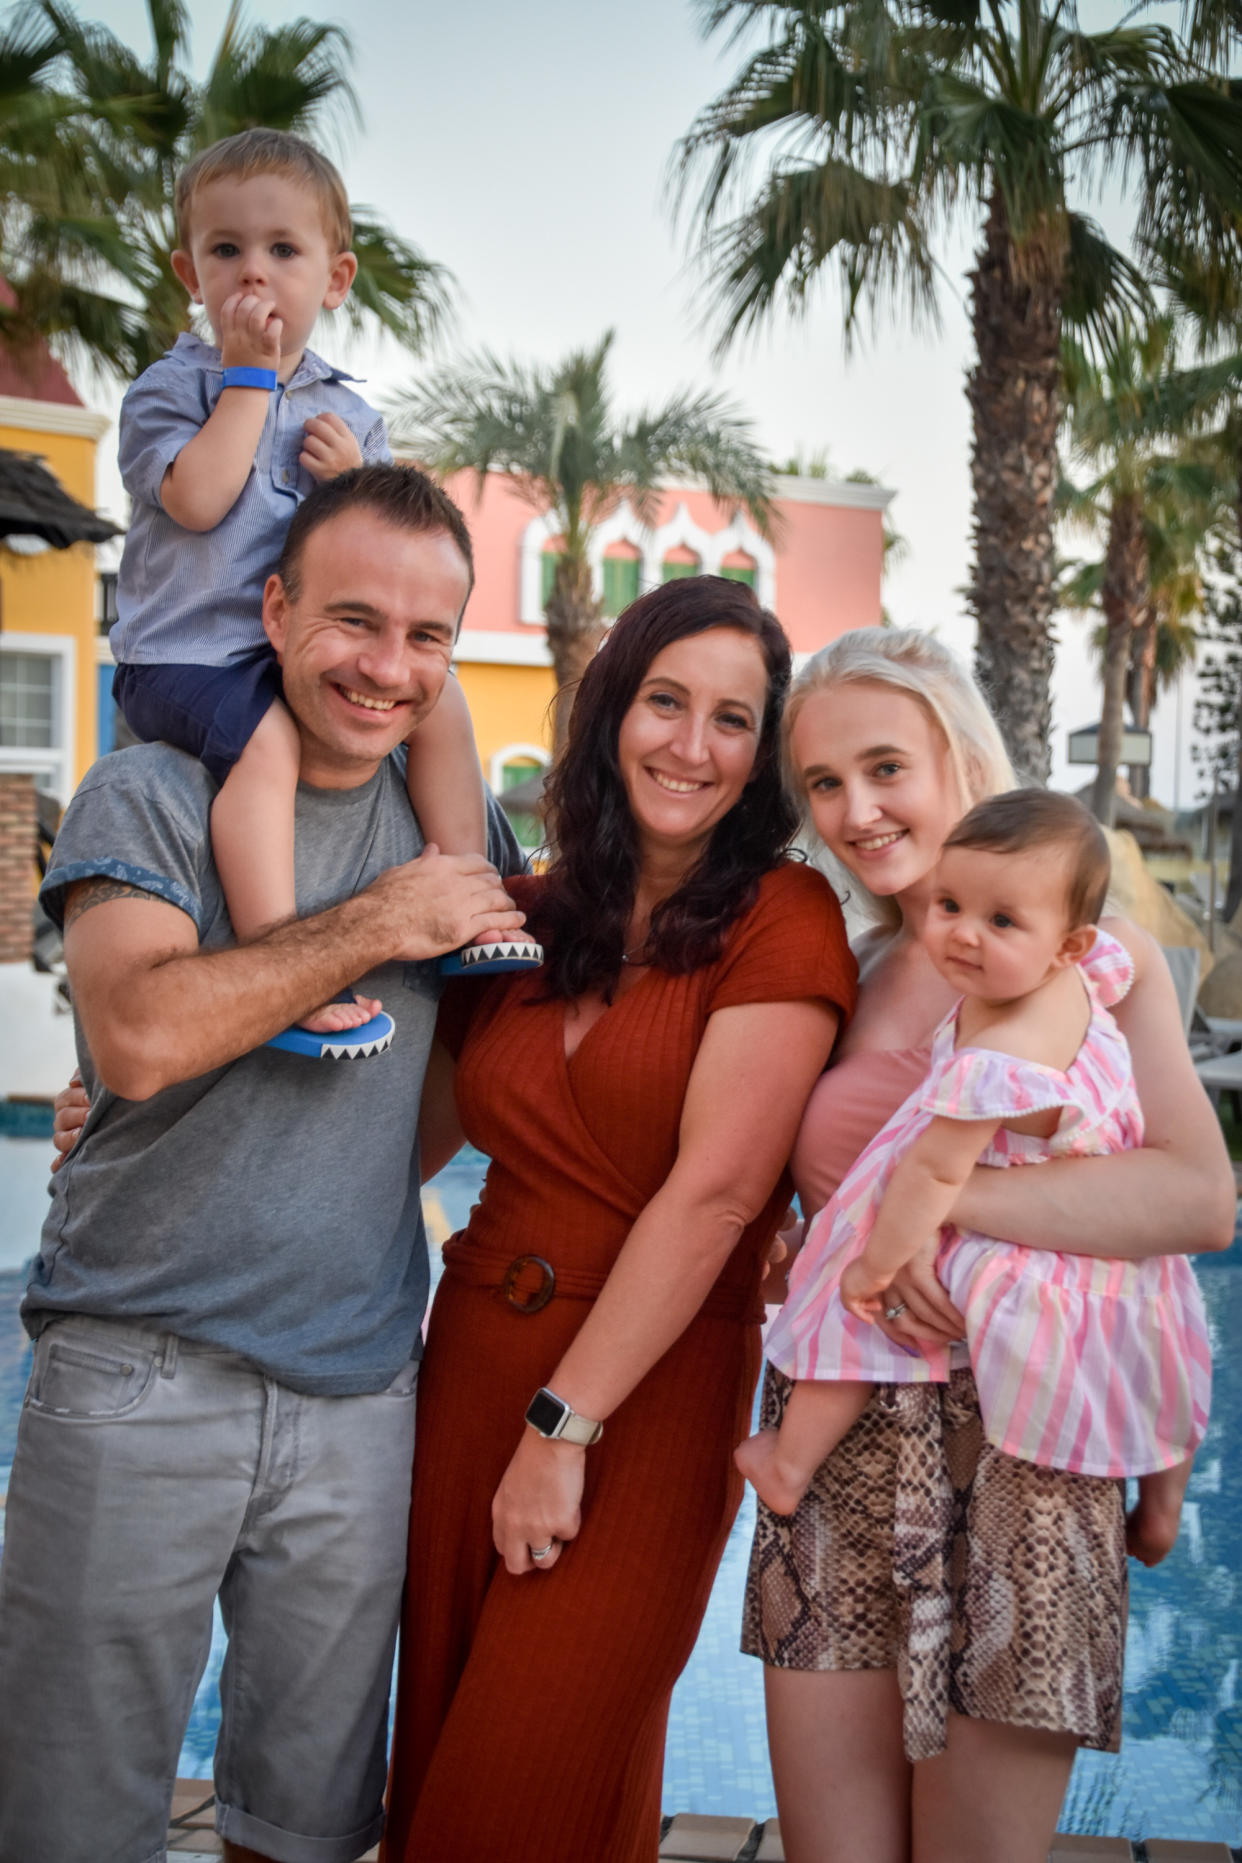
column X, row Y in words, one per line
column 576, row 1429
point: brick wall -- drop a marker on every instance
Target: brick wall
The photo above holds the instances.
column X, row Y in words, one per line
column 17, row 864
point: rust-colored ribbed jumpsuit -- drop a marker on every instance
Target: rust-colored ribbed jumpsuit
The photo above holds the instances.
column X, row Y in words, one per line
column 532, row 1710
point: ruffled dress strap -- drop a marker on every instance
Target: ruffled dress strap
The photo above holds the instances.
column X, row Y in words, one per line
column 981, row 1083
column 1108, row 970
column 1095, row 1092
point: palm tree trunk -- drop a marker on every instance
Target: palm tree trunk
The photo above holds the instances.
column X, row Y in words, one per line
column 1014, row 392
column 1142, row 693
column 575, row 629
column 1124, row 599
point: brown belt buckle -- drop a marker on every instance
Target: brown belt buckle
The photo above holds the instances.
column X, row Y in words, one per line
column 538, row 1298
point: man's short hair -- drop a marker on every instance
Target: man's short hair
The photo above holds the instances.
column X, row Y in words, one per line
column 1022, row 820
column 402, row 495
column 268, row 152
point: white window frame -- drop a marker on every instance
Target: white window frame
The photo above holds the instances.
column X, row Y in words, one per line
column 534, row 753
column 623, row 525
column 52, row 768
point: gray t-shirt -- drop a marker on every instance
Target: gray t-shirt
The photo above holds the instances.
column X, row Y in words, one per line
column 270, row 1206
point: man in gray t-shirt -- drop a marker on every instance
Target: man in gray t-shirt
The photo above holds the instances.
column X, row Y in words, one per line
column 227, row 1301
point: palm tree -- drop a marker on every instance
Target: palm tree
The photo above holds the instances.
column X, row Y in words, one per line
column 1158, row 507
column 89, row 156
column 556, row 433
column 1203, row 277
column 879, row 120
column 1166, row 638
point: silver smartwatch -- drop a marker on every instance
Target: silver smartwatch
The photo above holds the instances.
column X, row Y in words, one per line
column 553, row 1418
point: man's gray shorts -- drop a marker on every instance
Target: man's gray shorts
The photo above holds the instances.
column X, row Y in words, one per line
column 150, row 1475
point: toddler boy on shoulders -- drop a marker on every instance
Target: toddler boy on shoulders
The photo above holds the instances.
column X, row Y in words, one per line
column 218, row 445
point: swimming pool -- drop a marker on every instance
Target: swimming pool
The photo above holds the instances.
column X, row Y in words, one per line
column 1180, row 1771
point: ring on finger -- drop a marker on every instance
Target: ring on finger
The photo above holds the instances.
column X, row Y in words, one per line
column 895, row 1313
column 541, row 1552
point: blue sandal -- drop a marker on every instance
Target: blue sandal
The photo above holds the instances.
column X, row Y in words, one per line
column 345, row 1044
column 487, row 960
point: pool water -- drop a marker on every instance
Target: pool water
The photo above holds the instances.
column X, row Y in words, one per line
column 1179, row 1773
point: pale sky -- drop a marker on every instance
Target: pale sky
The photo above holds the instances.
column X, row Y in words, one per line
column 528, row 149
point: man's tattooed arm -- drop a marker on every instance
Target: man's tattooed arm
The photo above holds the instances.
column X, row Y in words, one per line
column 88, row 893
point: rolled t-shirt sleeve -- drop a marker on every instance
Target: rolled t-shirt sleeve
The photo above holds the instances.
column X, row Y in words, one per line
column 161, row 414
column 122, row 825
column 791, row 945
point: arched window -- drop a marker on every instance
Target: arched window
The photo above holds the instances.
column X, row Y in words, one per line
column 553, row 552
column 738, row 566
column 510, row 768
column 679, row 561
column 622, row 562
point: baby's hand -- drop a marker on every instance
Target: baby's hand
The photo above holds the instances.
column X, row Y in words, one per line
column 782, row 1253
column 862, row 1289
column 250, row 332
column 329, row 448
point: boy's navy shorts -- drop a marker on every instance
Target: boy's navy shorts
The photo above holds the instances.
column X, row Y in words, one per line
column 211, row 711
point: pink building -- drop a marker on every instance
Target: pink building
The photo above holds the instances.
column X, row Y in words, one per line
column 820, row 574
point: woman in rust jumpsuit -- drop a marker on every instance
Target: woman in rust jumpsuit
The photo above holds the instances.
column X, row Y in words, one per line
column 638, row 1099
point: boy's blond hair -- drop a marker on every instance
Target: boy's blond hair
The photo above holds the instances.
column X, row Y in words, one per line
column 268, row 152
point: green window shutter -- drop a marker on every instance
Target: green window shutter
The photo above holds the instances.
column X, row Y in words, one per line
column 740, row 575
column 547, row 563
column 525, row 822
column 528, row 829
column 620, row 583
column 673, row 572
column 511, row 774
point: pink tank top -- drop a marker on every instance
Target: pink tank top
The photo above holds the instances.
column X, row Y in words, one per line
column 847, row 1107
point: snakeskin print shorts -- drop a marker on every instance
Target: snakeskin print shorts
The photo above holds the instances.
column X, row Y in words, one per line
column 995, row 1588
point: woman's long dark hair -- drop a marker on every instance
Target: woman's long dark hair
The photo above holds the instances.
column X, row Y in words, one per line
column 583, row 909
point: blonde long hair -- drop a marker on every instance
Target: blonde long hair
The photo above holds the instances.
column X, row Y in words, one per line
column 918, row 664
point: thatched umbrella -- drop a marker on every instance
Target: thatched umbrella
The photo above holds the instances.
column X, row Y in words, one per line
column 33, row 503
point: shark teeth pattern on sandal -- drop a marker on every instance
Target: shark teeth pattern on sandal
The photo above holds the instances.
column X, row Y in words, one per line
column 369, row 1038
column 497, row 955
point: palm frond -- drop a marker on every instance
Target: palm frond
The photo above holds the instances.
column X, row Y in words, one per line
column 1213, row 29
column 700, row 436
column 288, row 77
column 555, row 432
column 1103, row 289
column 1079, row 584
column 87, row 165
column 805, row 217
column 1185, row 142
column 1203, row 277
column 803, row 96
column 406, row 293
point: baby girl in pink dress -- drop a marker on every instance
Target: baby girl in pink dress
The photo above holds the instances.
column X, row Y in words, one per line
column 1100, row 1367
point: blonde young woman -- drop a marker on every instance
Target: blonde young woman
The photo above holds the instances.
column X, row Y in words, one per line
column 943, row 1625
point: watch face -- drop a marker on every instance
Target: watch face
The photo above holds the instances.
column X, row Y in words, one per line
column 545, row 1412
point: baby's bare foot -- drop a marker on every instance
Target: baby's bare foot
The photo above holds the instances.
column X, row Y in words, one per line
column 335, row 1018
column 1152, row 1528
column 778, row 1486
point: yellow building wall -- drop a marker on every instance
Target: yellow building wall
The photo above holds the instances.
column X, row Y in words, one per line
column 509, row 705
column 54, row 592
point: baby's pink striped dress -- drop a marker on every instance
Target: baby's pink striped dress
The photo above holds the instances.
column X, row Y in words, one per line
column 1100, row 1367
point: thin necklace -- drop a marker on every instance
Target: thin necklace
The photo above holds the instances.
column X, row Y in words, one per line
column 630, row 957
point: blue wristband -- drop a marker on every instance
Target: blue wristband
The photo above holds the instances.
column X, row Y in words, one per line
column 250, row 378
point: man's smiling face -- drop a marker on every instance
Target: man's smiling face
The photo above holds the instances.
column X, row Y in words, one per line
column 365, row 640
